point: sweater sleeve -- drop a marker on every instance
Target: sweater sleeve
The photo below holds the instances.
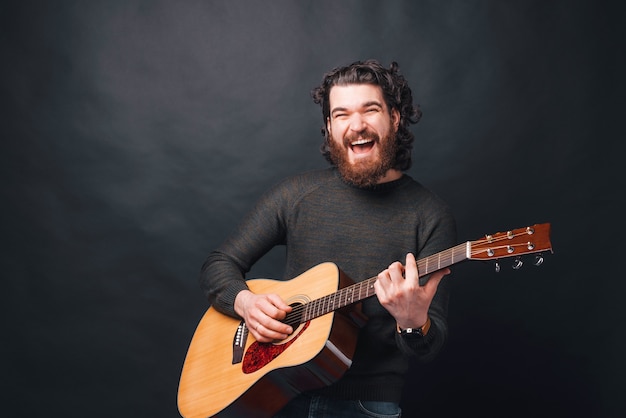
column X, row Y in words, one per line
column 222, row 275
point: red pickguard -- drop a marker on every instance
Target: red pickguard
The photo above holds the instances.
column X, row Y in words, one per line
column 260, row 354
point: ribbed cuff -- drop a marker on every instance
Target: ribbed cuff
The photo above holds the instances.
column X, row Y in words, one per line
column 226, row 302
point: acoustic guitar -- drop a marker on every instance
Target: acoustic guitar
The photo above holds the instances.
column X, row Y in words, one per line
column 228, row 373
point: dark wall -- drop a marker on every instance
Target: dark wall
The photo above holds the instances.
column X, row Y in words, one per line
column 136, row 134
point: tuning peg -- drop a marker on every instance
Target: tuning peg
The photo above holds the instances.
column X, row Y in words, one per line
column 517, row 264
column 497, row 267
column 538, row 260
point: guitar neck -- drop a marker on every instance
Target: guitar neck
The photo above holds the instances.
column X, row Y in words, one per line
column 365, row 289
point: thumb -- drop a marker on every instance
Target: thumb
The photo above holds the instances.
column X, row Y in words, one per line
column 435, row 279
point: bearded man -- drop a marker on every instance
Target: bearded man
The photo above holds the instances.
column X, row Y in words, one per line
column 371, row 219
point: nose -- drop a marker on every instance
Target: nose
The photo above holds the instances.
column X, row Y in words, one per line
column 357, row 122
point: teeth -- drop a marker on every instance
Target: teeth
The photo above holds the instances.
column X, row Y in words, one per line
column 360, row 142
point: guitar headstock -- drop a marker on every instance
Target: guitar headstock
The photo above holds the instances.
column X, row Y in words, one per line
column 515, row 243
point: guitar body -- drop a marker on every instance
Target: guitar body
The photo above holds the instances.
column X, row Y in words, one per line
column 269, row 374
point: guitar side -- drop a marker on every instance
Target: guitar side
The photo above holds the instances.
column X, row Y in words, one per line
column 210, row 384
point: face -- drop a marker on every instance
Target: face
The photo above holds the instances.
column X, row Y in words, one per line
column 362, row 134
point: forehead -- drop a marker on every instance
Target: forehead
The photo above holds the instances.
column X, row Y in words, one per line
column 355, row 95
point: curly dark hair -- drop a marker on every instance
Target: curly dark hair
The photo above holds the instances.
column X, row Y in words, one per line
column 397, row 96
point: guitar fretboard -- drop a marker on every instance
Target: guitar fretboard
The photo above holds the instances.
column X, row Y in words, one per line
column 365, row 289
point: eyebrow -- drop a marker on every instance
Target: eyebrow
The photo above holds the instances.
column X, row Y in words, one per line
column 366, row 104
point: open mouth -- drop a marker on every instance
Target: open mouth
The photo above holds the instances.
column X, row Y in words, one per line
column 362, row 146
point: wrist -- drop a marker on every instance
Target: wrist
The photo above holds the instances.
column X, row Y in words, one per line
column 241, row 302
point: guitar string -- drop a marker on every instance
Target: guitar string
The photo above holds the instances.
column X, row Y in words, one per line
column 447, row 256
column 326, row 303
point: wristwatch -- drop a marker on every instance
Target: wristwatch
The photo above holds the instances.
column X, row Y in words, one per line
column 421, row 331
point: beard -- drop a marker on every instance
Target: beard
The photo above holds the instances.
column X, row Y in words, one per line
column 367, row 172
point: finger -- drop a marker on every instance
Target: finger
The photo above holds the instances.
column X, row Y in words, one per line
column 275, row 312
column 410, row 270
column 265, row 334
column 380, row 285
column 279, row 304
column 395, row 271
column 265, row 307
column 270, row 316
column 260, row 333
column 272, row 328
column 281, row 328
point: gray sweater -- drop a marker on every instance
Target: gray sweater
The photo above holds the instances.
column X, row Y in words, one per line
column 318, row 217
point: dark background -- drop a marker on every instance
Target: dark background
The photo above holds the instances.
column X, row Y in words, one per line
column 135, row 134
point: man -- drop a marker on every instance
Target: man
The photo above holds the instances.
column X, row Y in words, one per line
column 365, row 215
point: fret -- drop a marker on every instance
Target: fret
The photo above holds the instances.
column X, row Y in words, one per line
column 305, row 313
column 370, row 287
column 359, row 292
column 339, row 298
column 318, row 302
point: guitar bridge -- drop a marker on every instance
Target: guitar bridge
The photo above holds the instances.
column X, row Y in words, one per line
column 239, row 342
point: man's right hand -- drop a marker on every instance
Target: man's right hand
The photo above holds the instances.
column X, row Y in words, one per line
column 263, row 315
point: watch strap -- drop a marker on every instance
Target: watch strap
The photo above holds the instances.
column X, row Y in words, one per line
column 421, row 331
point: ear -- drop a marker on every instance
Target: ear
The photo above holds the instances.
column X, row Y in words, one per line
column 395, row 117
column 328, row 126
